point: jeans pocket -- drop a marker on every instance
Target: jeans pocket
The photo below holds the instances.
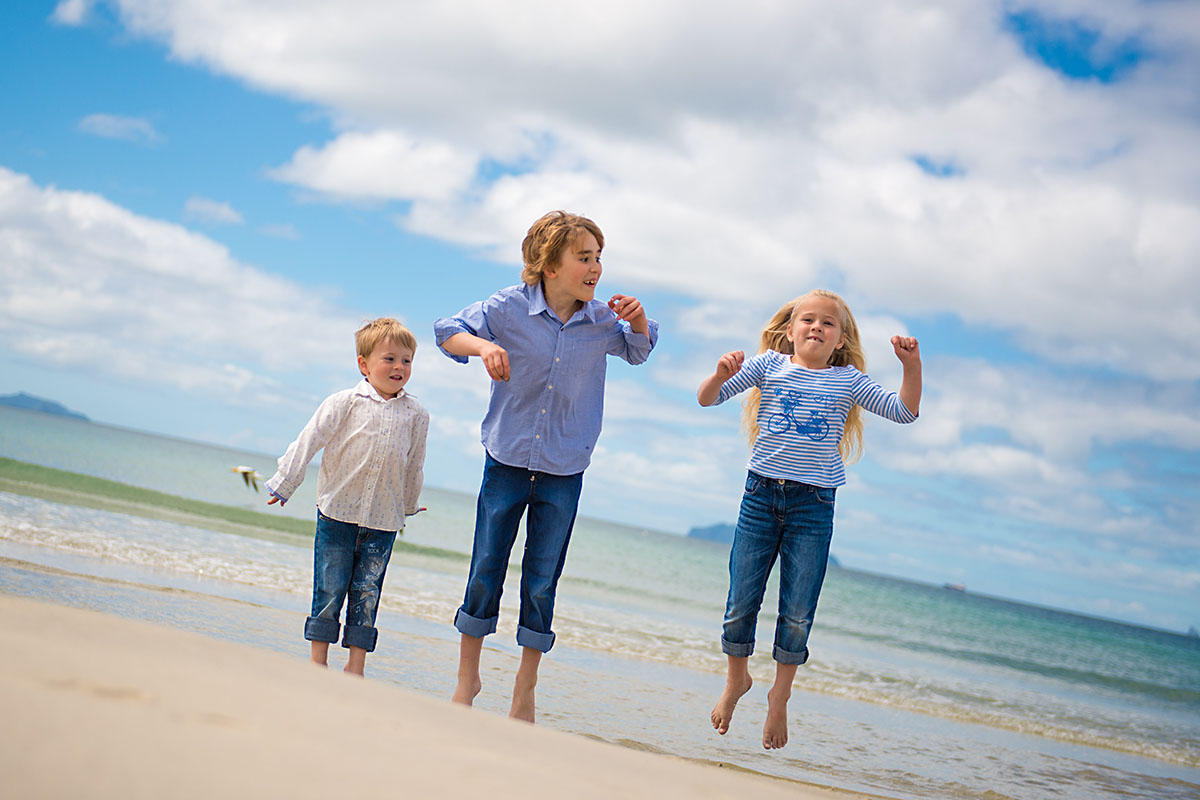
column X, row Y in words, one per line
column 826, row 494
column 752, row 483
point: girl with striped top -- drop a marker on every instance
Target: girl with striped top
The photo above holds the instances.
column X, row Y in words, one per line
column 803, row 413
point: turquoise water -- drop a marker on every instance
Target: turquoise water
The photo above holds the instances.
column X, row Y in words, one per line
column 912, row 690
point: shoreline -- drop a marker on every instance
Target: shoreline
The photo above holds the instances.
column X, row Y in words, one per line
column 143, row 710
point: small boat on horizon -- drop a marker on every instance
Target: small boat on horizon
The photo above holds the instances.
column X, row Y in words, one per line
column 954, row 587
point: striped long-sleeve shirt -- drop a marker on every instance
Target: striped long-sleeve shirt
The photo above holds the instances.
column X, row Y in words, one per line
column 803, row 413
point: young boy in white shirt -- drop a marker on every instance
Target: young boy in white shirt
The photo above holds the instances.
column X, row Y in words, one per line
column 370, row 479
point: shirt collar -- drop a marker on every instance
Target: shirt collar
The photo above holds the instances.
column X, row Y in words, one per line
column 365, row 389
column 593, row 310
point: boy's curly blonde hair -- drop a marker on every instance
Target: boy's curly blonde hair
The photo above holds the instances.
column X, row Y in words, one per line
column 384, row 329
column 548, row 238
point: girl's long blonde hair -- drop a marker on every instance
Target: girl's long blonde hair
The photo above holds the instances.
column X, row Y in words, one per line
column 850, row 354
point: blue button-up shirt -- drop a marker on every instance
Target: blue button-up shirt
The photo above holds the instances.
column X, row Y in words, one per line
column 546, row 417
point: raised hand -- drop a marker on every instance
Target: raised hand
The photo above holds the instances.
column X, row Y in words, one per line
column 630, row 310
column 907, row 349
column 729, row 364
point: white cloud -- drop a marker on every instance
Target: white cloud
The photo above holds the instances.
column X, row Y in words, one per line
column 202, row 209
column 748, row 160
column 129, row 129
column 280, row 231
column 72, row 12
column 88, row 284
column 382, row 165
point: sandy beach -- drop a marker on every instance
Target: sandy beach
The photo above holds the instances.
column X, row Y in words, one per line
column 101, row 706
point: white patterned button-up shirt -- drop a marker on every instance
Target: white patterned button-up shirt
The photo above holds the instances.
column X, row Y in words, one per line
column 373, row 466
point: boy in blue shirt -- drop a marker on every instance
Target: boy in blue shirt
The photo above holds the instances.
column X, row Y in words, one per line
column 544, row 343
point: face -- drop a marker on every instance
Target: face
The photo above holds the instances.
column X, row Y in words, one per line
column 577, row 271
column 387, row 368
column 815, row 331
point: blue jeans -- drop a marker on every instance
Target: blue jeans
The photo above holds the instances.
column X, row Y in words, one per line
column 793, row 521
column 349, row 560
column 506, row 494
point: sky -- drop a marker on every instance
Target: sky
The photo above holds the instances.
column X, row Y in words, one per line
column 201, row 200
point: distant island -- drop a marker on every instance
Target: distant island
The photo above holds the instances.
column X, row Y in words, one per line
column 31, row 403
column 723, row 532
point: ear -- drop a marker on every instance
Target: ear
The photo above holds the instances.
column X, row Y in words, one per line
column 362, row 365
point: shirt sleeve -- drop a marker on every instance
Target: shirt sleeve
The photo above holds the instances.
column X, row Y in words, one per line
column 874, row 398
column 476, row 319
column 635, row 347
column 414, row 471
column 751, row 374
column 319, row 430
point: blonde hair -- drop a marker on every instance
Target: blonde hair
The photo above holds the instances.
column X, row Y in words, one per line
column 548, row 238
column 384, row 329
column 850, row 354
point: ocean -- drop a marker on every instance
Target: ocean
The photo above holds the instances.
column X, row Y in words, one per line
column 912, row 691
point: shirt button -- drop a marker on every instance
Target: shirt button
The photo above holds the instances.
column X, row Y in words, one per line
column 537, row 436
column 556, row 360
column 551, row 386
column 543, row 411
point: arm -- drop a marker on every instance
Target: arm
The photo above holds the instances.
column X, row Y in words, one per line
column 470, row 333
column 414, row 468
column 633, row 348
column 494, row 357
column 909, row 352
column 314, row 436
column 727, row 366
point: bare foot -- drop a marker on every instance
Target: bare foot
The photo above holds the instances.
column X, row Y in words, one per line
column 775, row 728
column 722, row 712
column 466, row 690
column 523, row 700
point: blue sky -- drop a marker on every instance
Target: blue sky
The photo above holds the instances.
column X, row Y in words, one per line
column 201, row 200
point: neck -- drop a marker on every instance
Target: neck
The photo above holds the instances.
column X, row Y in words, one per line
column 799, row 360
column 562, row 304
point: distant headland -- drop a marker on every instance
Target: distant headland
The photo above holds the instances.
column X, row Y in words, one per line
column 31, row 403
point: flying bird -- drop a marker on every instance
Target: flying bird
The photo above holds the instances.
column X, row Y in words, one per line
column 249, row 476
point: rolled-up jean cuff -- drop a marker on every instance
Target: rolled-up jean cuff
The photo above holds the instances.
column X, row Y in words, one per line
column 364, row 636
column 473, row 626
column 319, row 629
column 737, row 649
column 785, row 657
column 531, row 638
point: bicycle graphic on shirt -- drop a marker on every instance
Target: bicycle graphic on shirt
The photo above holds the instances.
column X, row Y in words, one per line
column 815, row 427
